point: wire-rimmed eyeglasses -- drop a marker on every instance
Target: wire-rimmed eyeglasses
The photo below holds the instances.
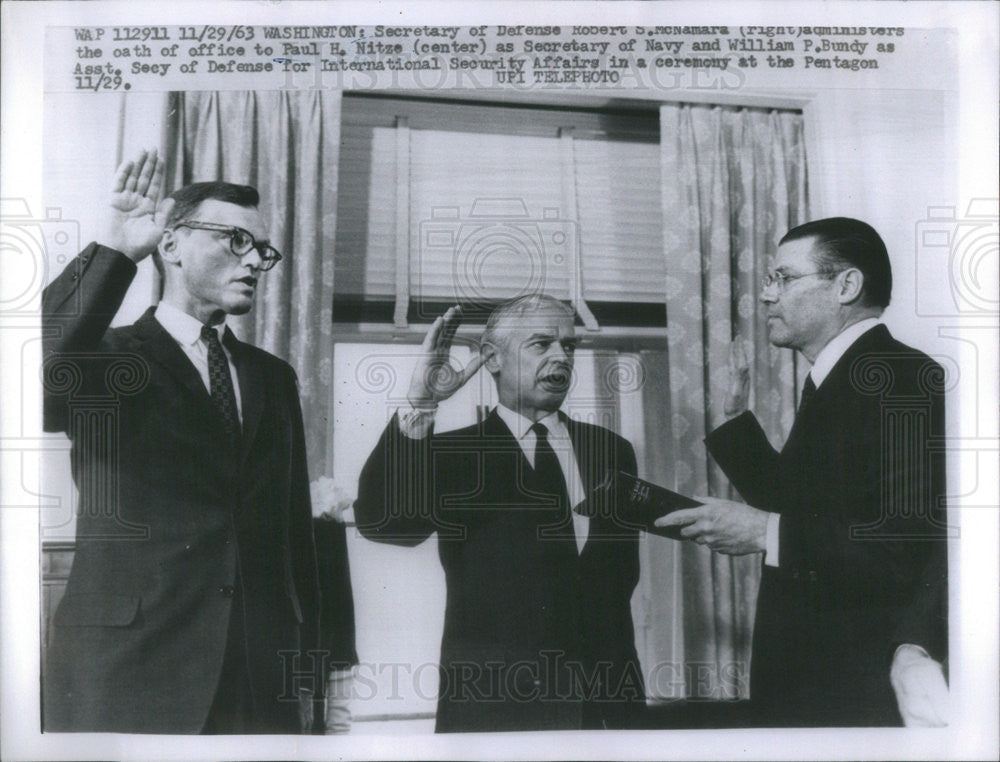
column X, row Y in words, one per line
column 781, row 279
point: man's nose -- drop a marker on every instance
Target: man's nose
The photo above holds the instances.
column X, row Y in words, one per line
column 558, row 352
column 252, row 259
column 769, row 294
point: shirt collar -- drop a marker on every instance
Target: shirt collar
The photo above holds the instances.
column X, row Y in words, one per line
column 836, row 347
column 185, row 329
column 520, row 426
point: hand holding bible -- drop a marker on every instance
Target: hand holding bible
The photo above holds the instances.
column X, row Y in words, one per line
column 723, row 525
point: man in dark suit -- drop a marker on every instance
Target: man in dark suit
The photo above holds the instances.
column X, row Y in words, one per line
column 538, row 632
column 194, row 589
column 849, row 511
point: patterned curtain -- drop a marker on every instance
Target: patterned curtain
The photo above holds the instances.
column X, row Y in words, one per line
column 733, row 182
column 285, row 144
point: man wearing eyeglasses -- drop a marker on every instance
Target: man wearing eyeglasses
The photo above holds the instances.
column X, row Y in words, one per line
column 194, row 591
column 849, row 514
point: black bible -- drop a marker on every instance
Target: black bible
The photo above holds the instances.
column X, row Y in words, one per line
column 641, row 503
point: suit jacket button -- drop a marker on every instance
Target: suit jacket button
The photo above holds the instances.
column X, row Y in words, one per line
column 795, row 573
column 812, row 575
column 228, row 591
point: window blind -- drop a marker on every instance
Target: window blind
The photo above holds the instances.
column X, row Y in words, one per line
column 487, row 212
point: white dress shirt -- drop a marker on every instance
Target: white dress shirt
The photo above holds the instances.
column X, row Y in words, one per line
column 186, row 331
column 825, row 360
column 417, row 424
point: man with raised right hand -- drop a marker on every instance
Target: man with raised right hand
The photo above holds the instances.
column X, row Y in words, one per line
column 538, row 630
column 193, row 596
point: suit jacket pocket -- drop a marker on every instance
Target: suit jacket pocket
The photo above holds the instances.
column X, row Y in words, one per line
column 96, row 610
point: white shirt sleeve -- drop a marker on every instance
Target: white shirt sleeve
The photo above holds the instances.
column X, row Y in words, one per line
column 771, row 539
column 416, row 423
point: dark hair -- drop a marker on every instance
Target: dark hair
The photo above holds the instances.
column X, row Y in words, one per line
column 187, row 199
column 845, row 242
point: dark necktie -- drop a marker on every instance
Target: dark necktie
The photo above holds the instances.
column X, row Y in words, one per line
column 808, row 392
column 547, row 466
column 552, row 480
column 221, row 382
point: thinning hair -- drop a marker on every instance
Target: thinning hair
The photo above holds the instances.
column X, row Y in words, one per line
column 497, row 329
column 842, row 242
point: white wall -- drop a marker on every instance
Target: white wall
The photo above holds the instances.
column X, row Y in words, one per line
column 85, row 138
column 887, row 157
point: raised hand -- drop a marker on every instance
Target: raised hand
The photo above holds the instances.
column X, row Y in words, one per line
column 738, row 391
column 133, row 225
column 434, row 379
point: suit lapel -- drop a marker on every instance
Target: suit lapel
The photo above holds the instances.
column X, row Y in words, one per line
column 593, row 450
column 158, row 345
column 499, row 437
column 590, row 453
column 836, row 384
column 814, row 422
column 162, row 348
column 584, row 449
column 839, row 380
column 493, row 426
column 252, row 390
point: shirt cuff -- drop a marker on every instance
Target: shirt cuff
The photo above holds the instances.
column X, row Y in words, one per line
column 771, row 540
column 416, row 423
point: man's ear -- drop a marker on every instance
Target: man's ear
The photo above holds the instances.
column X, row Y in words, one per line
column 167, row 247
column 852, row 282
column 488, row 351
